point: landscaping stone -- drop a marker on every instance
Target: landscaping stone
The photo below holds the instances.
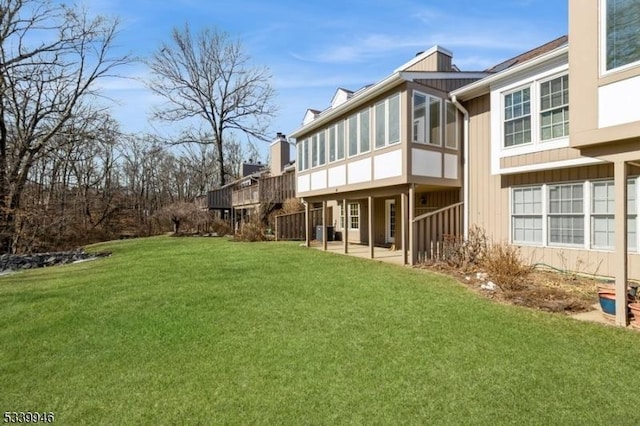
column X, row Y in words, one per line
column 16, row 262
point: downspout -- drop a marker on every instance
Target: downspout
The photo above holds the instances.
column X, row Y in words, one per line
column 465, row 184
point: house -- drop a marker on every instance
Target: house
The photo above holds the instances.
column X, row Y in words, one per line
column 554, row 147
column 261, row 188
column 385, row 162
column 541, row 151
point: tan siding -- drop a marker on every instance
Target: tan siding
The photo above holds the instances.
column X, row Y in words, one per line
column 489, row 201
column 437, row 61
column 540, row 157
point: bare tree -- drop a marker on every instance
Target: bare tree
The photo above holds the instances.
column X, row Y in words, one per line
column 42, row 85
column 208, row 77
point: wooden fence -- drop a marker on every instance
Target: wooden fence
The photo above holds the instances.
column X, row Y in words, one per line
column 430, row 231
column 291, row 226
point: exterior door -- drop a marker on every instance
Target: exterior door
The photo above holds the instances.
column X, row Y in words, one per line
column 390, row 221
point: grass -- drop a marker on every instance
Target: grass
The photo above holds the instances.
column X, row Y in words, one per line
column 203, row 331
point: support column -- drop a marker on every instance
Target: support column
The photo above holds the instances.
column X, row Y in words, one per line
column 620, row 258
column 324, row 226
column 345, row 229
column 412, row 234
column 404, row 224
column 307, row 224
column 371, row 249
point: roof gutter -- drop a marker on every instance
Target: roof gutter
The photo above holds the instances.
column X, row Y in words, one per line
column 465, row 153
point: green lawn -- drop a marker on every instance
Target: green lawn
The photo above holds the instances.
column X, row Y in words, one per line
column 203, row 330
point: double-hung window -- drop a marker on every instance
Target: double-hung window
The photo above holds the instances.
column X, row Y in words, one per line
column 621, row 35
column 427, row 119
column 526, row 218
column 566, row 214
column 354, row 216
column 554, row 108
column 517, row 117
column 602, row 215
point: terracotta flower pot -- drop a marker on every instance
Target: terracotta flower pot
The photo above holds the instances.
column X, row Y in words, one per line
column 635, row 312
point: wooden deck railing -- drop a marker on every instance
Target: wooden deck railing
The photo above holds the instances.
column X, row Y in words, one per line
column 291, row 226
column 430, row 229
column 273, row 189
column 244, row 196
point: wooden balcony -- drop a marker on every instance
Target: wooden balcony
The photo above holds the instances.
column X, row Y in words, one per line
column 274, row 189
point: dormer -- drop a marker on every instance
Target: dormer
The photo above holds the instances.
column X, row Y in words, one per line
column 309, row 116
column 341, row 96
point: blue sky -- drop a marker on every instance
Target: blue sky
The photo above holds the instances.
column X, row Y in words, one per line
column 312, row 48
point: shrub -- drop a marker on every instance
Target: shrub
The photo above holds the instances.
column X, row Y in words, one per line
column 503, row 264
column 221, row 227
column 251, row 231
column 460, row 253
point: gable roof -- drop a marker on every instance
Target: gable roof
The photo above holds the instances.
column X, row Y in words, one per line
column 541, row 54
column 531, row 54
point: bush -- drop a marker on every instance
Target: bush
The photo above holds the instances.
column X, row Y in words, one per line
column 221, row 227
column 460, row 253
column 251, row 231
column 503, row 264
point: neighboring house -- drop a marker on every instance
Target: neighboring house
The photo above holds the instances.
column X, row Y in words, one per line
column 385, row 162
column 554, row 141
column 260, row 188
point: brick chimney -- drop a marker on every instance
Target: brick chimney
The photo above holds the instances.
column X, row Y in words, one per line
column 279, row 154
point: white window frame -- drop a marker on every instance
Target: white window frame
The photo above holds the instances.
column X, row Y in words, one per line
column 632, row 213
column 498, row 151
column 387, row 122
column 530, row 115
column 513, row 215
column 603, row 45
column 588, row 185
column 303, row 157
column 541, row 111
column 572, row 215
column 353, row 216
column 456, row 126
column 357, row 116
column 426, row 135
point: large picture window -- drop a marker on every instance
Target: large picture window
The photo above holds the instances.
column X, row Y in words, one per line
column 517, row 117
column 622, row 37
column 359, row 133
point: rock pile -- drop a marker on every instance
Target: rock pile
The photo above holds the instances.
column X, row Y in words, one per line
column 14, row 262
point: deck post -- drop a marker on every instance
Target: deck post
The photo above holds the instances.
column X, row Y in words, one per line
column 620, row 259
column 345, row 229
column 307, row 224
column 405, row 226
column 371, row 250
column 412, row 226
column 324, row 225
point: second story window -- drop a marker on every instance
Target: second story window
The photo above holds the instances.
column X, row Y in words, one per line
column 303, row 155
column 621, row 35
column 517, row 117
column 427, row 119
column 387, row 122
column 554, row 108
column 358, row 133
